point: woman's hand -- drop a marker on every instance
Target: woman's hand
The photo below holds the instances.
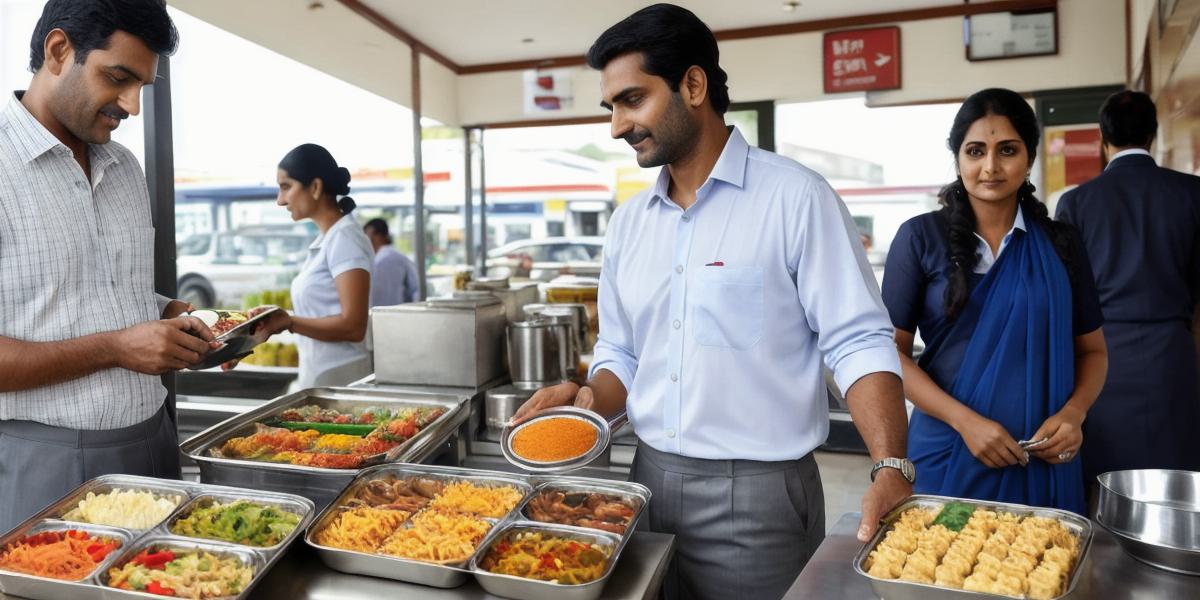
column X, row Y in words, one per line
column 277, row 322
column 990, row 443
column 1063, row 433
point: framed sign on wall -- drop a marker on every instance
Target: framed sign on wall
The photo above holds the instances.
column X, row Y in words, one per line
column 991, row 36
column 862, row 60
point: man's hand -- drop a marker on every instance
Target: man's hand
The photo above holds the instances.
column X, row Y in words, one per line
column 563, row 394
column 888, row 489
column 155, row 347
column 175, row 308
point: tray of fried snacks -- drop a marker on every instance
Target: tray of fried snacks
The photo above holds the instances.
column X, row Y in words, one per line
column 415, row 523
column 933, row 547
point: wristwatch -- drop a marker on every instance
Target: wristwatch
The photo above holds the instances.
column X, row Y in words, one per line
column 903, row 465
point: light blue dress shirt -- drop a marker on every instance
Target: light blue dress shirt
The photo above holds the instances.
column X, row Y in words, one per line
column 716, row 318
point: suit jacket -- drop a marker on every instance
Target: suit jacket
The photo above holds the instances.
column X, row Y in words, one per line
column 1141, row 226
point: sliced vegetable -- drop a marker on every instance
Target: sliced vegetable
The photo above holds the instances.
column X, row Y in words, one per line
column 339, row 428
column 954, row 515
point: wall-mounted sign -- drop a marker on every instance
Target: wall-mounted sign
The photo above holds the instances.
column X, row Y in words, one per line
column 549, row 90
column 1011, row 34
column 862, row 59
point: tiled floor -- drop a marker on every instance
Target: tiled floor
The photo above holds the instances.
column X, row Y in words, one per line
column 845, row 478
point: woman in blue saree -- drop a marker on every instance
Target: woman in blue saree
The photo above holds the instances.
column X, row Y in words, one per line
column 1005, row 302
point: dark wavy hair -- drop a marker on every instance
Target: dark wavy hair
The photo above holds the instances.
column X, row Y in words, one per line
column 89, row 23
column 957, row 206
column 671, row 40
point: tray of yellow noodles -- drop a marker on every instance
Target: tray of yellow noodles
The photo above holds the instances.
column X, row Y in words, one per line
column 932, row 547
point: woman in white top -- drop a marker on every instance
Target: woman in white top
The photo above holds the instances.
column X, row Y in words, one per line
column 332, row 291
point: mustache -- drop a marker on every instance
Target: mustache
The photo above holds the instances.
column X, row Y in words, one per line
column 114, row 112
column 635, row 136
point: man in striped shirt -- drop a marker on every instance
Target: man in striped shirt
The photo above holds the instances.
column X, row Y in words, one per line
column 82, row 334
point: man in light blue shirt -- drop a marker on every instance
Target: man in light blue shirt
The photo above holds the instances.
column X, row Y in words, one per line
column 394, row 280
column 722, row 290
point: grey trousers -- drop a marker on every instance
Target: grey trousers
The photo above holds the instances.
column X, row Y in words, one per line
column 744, row 529
column 40, row 464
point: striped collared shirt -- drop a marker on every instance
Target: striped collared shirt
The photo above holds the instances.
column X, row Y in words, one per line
column 76, row 258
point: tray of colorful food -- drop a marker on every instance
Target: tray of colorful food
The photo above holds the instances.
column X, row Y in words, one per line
column 932, row 547
column 532, row 561
column 313, row 442
column 179, row 567
column 614, row 507
column 120, row 534
column 428, row 525
column 420, row 524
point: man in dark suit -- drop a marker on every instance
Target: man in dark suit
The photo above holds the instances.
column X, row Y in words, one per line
column 1141, row 226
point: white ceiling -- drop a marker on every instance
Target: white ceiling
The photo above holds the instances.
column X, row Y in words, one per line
column 471, row 32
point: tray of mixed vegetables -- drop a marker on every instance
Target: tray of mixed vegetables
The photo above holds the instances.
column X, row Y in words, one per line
column 313, row 442
column 122, row 535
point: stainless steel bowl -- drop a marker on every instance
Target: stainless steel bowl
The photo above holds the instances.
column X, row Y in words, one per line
column 1155, row 515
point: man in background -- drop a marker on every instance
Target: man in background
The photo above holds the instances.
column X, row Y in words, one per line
column 394, row 280
column 1140, row 224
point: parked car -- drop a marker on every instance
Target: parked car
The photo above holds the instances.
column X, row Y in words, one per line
column 546, row 258
column 217, row 269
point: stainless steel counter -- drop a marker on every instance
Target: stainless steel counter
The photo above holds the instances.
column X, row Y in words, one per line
column 1110, row 573
column 301, row 574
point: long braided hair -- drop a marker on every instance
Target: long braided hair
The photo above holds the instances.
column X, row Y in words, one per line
column 957, row 206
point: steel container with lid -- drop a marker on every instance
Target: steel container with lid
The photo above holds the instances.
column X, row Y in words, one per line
column 501, row 403
column 565, row 329
column 534, row 356
column 455, row 341
column 580, row 316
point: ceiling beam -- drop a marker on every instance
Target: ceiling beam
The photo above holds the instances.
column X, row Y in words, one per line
column 900, row 16
column 397, row 32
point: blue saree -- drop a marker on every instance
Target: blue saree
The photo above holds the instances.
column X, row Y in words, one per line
column 1018, row 370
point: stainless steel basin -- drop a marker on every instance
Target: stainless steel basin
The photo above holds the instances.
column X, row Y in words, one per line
column 1155, row 515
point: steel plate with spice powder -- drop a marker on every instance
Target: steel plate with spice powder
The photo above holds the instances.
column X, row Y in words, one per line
column 555, row 439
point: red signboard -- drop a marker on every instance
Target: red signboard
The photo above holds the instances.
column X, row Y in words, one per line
column 862, row 60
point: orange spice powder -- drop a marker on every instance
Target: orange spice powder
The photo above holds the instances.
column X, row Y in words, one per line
column 552, row 440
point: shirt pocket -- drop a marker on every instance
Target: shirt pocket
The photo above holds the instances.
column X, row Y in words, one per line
column 727, row 307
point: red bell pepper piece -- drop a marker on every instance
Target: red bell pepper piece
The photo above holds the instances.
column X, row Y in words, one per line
column 154, row 560
column 158, row 589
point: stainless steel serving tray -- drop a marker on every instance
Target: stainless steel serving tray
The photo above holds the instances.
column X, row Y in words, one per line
column 635, row 493
column 243, row 554
column 520, row 588
column 319, row 484
column 402, row 569
column 49, row 518
column 895, row 589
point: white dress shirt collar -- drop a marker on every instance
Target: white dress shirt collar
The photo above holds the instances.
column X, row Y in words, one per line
column 1129, row 152
column 730, row 168
column 986, row 258
column 37, row 140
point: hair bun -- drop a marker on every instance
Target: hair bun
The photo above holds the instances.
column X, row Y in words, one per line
column 347, row 204
column 344, row 176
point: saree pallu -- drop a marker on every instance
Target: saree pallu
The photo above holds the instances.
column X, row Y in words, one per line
column 1018, row 369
